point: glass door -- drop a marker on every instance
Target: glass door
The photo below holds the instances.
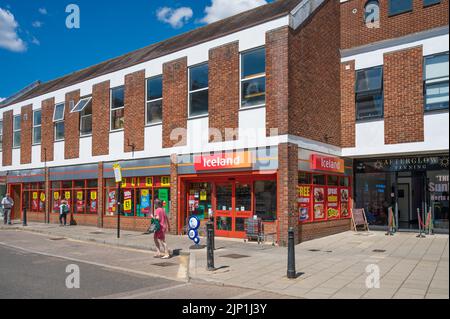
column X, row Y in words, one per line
column 224, row 209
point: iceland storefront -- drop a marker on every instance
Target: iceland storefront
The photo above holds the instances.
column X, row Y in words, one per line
column 405, row 184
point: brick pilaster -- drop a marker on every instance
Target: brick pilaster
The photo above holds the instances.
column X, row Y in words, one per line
column 26, row 134
column 71, row 127
column 7, row 138
column 47, row 128
column 100, row 118
column 348, row 116
column 134, row 111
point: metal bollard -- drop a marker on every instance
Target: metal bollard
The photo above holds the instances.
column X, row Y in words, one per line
column 24, row 218
column 291, row 273
column 209, row 246
column 213, row 234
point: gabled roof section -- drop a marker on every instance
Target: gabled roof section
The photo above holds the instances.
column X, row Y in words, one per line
column 218, row 29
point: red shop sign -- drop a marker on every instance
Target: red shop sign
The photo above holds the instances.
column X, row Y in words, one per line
column 326, row 163
column 223, row 161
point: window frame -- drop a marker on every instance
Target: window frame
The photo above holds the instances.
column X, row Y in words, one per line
column 36, row 126
column 115, row 109
column 17, row 131
column 425, row 5
column 254, row 77
column 439, row 109
column 196, row 91
column 390, row 14
column 59, row 121
column 82, row 115
column 147, row 101
column 369, row 92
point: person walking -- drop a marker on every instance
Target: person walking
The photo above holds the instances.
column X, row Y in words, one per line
column 160, row 234
column 8, row 204
column 63, row 211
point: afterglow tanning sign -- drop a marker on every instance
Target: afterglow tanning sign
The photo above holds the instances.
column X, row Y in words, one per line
column 223, row 161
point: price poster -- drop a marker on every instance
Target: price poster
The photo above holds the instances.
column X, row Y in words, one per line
column 67, row 195
column 35, row 202
column 332, row 202
column 344, row 203
column 42, row 197
column 304, row 202
column 165, row 181
column 93, row 203
column 319, row 203
column 148, row 181
column 56, row 202
column 145, row 201
column 80, row 202
column 203, row 195
column 112, row 202
column 127, row 201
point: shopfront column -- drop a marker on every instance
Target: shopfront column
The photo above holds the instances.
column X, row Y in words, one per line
column 47, row 195
column 100, row 194
column 174, row 195
column 287, row 180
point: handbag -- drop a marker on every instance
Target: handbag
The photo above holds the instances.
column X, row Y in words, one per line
column 154, row 226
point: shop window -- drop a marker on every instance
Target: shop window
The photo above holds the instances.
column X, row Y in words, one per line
column 16, row 131
column 319, row 179
column 372, row 14
column 198, row 90
column 58, row 121
column 199, row 199
column 37, row 123
column 84, row 107
column 266, row 200
column 253, row 78
column 304, row 178
column 400, row 6
column 436, row 82
column 438, row 188
column 224, row 195
column 369, row 93
column 332, row 180
column 427, row 3
column 66, row 184
column 243, row 197
column 1, row 135
column 34, row 197
column 92, row 183
column 117, row 108
column 154, row 100
column 344, row 181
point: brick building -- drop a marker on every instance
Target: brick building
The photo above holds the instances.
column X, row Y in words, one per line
column 296, row 112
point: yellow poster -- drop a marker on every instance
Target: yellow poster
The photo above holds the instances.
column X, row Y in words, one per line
column 35, row 195
column 127, row 205
column 165, row 181
column 42, row 197
column 80, row 195
column 124, row 182
column 67, row 195
column 149, row 181
column 93, row 195
column 144, row 192
column 203, row 194
column 133, row 182
column 56, row 195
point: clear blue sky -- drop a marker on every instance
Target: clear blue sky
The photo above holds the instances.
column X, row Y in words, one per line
column 35, row 43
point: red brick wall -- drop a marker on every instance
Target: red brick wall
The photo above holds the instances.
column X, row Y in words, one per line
column 84, row 219
column 355, row 33
column 35, row 217
column 174, row 193
column 100, row 118
column 224, row 89
column 315, row 230
column 127, row 223
column 71, row 127
column 47, row 129
column 277, row 77
column 287, row 190
column 403, row 96
column 7, row 138
column 134, row 111
column 174, row 99
column 314, row 78
column 348, row 104
column 26, row 127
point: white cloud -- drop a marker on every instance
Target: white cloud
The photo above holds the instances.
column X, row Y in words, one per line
column 37, row 24
column 35, row 41
column 221, row 9
column 9, row 39
column 177, row 18
column 43, row 11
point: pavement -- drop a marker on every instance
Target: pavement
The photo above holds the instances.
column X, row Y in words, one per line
column 342, row 266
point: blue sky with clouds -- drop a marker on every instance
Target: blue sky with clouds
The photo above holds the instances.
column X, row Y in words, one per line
column 35, row 43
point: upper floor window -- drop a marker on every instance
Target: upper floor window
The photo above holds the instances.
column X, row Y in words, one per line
column 16, row 131
column 117, row 108
column 154, row 100
column 369, row 93
column 198, row 90
column 372, row 14
column 37, row 122
column 84, row 107
column 400, row 6
column 430, row 2
column 253, row 78
column 58, row 121
column 1, row 136
column 436, row 78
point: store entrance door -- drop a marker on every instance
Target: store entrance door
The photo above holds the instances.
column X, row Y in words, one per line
column 15, row 195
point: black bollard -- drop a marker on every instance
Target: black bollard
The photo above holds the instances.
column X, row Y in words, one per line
column 291, row 273
column 209, row 246
column 24, row 218
column 213, row 233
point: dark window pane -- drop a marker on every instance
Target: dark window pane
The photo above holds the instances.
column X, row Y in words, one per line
column 198, row 103
column 198, row 77
column 224, row 223
column 59, row 131
column 333, row 180
column 304, row 178
column 266, row 200
column 154, row 88
column 253, row 63
column 86, row 125
column 154, row 112
column 59, row 112
column 369, row 80
column 78, row 184
column 37, row 135
column 117, row 119
column 319, row 179
column 437, row 95
column 224, row 197
column 430, row 2
column 400, row 6
column 117, row 97
column 66, row 184
column 344, row 181
column 243, row 197
column 254, row 92
column 369, row 106
column 92, row 183
column 37, row 118
column 16, row 139
column 16, row 124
